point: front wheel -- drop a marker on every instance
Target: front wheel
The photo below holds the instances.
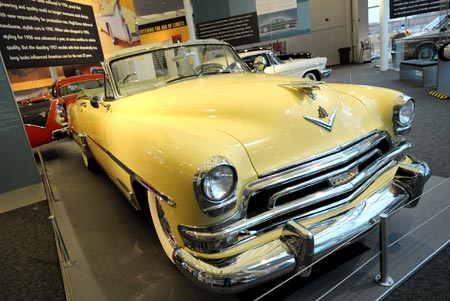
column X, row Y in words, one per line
column 311, row 75
column 426, row 52
column 161, row 225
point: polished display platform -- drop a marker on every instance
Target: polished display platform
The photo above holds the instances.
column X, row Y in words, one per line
column 115, row 254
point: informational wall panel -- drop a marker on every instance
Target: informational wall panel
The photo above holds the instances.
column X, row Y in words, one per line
column 42, row 33
column 404, row 8
column 18, row 168
column 247, row 22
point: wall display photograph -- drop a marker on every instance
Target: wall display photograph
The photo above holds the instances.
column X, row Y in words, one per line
column 251, row 22
column 18, row 165
column 118, row 22
column 188, row 133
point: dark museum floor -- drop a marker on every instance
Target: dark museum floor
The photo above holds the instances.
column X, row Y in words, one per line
column 115, row 254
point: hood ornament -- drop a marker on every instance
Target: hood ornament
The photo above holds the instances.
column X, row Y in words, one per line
column 307, row 87
column 322, row 115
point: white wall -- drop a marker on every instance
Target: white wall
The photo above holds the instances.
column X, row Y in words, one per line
column 330, row 30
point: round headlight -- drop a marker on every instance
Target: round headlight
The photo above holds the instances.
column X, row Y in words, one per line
column 215, row 184
column 406, row 113
column 219, row 183
column 403, row 114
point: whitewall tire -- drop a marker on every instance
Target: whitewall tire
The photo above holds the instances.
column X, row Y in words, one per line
column 163, row 235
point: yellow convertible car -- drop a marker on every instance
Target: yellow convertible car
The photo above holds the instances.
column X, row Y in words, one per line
column 247, row 177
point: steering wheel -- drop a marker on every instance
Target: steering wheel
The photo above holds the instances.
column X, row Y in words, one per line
column 208, row 68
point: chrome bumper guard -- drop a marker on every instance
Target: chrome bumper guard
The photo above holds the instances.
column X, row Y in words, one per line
column 325, row 72
column 297, row 248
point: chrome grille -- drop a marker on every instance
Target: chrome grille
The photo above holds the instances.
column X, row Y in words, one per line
column 325, row 181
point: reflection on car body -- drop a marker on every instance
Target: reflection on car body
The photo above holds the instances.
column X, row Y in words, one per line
column 247, row 176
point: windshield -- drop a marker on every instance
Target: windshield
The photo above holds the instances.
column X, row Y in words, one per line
column 275, row 59
column 436, row 23
column 157, row 68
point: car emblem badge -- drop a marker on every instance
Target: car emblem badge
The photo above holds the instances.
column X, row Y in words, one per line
column 322, row 112
column 322, row 115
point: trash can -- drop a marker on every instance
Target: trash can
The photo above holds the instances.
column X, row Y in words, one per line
column 344, row 55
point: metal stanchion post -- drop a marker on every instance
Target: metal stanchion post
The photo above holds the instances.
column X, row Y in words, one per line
column 384, row 279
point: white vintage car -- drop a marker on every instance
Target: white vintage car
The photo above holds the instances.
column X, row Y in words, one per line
column 266, row 60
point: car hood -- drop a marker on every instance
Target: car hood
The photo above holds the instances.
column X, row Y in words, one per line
column 423, row 35
column 265, row 117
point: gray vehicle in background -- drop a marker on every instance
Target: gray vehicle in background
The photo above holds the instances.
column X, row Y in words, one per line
column 422, row 45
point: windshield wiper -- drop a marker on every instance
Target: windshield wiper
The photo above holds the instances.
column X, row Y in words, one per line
column 181, row 78
column 215, row 72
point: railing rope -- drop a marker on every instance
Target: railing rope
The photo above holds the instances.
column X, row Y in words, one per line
column 60, row 241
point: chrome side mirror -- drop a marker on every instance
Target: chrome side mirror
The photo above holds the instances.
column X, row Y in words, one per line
column 98, row 100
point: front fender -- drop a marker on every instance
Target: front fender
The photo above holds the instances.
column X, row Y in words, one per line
column 379, row 101
column 167, row 158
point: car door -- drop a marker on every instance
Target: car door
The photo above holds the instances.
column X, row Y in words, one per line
column 94, row 114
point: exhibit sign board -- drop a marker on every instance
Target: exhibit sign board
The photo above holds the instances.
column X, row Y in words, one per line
column 162, row 25
column 404, row 8
column 236, row 30
column 18, row 167
column 247, row 22
column 38, row 33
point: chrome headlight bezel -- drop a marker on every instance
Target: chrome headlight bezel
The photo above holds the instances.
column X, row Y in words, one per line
column 403, row 114
column 215, row 186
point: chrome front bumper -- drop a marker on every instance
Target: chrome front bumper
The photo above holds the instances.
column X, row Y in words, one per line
column 298, row 247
